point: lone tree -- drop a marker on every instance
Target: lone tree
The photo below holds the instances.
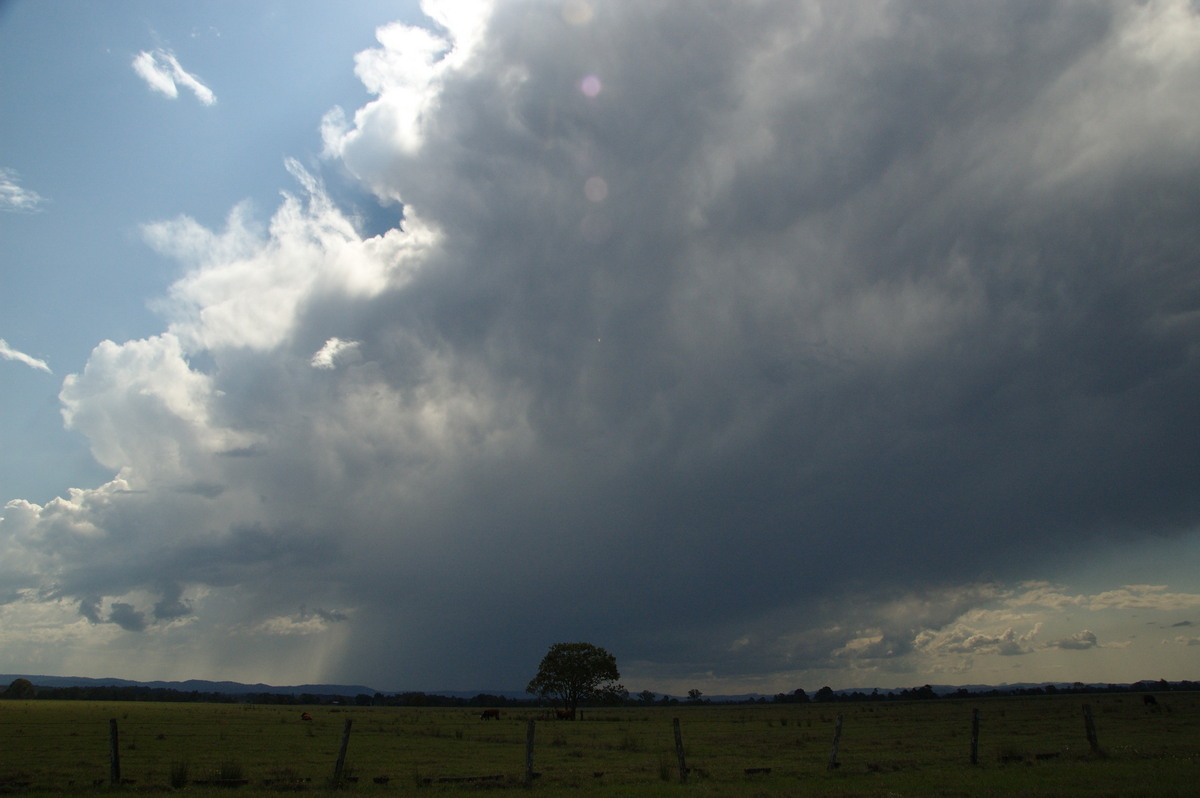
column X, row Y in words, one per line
column 20, row 688
column 574, row 672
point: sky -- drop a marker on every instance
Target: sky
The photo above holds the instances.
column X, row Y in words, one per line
column 768, row 345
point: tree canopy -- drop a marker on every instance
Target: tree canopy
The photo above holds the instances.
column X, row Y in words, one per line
column 20, row 688
column 574, row 672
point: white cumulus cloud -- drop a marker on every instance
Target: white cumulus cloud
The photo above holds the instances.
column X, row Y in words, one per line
column 163, row 73
column 1080, row 641
column 335, row 348
column 8, row 353
column 16, row 198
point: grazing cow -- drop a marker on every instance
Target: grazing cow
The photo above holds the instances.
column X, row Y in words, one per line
column 1149, row 700
column 305, row 716
column 564, row 714
column 490, row 714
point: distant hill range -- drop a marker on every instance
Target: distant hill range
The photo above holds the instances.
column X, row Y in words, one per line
column 328, row 692
column 192, row 685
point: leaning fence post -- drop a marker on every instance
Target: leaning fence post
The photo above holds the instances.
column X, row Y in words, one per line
column 1089, row 726
column 114, row 753
column 683, row 771
column 837, row 736
column 529, row 753
column 975, row 737
column 341, row 760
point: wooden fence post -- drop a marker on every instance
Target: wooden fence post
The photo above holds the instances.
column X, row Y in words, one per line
column 683, row 771
column 837, row 736
column 975, row 737
column 1089, row 727
column 529, row 753
column 341, row 760
column 114, row 754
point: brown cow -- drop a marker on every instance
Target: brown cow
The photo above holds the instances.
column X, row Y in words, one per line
column 490, row 714
column 564, row 714
column 305, row 716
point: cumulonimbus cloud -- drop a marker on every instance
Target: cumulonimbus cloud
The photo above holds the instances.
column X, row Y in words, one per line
column 163, row 73
column 699, row 322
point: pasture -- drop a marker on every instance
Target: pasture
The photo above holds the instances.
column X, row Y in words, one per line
column 1032, row 746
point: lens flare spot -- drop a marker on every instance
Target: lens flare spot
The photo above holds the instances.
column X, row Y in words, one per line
column 595, row 189
column 590, row 85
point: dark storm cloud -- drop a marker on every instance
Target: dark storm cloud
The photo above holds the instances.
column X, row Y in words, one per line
column 860, row 319
column 171, row 606
column 127, row 617
column 120, row 613
column 871, row 305
column 89, row 608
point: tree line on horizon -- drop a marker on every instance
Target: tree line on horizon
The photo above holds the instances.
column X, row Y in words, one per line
column 573, row 674
column 23, row 689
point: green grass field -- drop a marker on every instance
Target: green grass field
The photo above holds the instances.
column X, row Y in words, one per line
column 1028, row 747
